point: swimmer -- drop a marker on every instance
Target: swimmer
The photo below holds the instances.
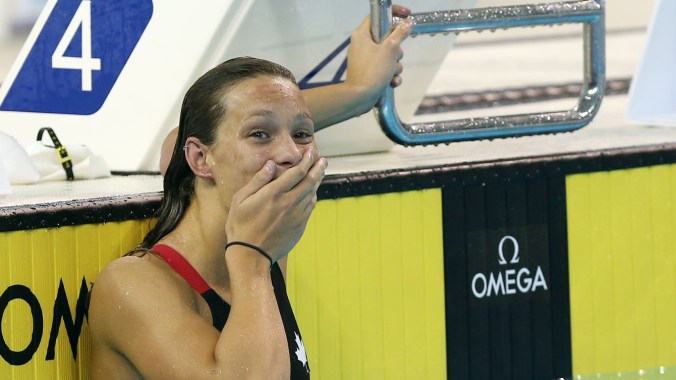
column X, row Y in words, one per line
column 204, row 295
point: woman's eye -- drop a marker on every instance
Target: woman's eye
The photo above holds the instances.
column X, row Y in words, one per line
column 304, row 136
column 259, row 135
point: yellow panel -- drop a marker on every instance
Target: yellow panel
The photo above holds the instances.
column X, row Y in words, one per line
column 349, row 284
column 373, row 354
column 664, row 257
column 622, row 269
column 393, row 282
column 624, row 296
column 432, row 241
column 644, row 268
column 87, row 239
column 601, row 264
column 374, row 267
column 366, row 282
column 40, row 260
column 20, row 322
column 580, row 274
column 328, row 334
column 413, row 272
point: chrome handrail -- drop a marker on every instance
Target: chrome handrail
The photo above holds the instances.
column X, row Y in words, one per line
column 588, row 12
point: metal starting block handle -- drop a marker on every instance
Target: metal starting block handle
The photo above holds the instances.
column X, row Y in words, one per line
column 588, row 12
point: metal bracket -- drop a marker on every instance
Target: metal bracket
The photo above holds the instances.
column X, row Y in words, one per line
column 588, row 12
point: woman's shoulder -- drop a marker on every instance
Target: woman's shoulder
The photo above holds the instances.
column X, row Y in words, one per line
column 139, row 306
column 133, row 289
column 133, row 271
column 139, row 275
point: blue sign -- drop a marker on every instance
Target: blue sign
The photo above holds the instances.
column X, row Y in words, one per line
column 78, row 56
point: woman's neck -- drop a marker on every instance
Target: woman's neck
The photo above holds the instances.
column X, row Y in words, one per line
column 200, row 238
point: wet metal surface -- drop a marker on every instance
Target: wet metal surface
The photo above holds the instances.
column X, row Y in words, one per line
column 591, row 13
column 504, row 17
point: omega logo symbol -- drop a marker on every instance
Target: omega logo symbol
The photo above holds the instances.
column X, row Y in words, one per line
column 515, row 258
column 510, row 281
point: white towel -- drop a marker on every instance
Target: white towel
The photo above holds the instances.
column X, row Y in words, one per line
column 18, row 166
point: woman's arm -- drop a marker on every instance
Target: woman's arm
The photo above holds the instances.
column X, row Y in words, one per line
column 371, row 67
column 145, row 322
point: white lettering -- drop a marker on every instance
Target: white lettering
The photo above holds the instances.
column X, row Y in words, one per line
column 479, row 276
column 513, row 281
column 510, row 281
column 539, row 280
column 495, row 284
column 525, row 274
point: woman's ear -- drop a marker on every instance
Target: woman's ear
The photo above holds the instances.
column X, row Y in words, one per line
column 196, row 156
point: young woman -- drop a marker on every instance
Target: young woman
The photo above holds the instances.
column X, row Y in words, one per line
column 204, row 295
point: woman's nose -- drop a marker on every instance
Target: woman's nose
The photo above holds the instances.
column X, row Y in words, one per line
column 288, row 153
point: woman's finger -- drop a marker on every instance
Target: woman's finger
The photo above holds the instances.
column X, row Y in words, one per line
column 398, row 68
column 400, row 33
column 260, row 179
column 400, row 11
column 295, row 175
column 311, row 182
column 396, row 81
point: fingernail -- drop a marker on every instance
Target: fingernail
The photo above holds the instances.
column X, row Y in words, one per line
column 325, row 162
column 269, row 165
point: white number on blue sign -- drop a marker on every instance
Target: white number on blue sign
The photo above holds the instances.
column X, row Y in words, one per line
column 80, row 50
column 86, row 63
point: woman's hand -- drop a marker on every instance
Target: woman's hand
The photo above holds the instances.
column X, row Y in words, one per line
column 373, row 66
column 272, row 215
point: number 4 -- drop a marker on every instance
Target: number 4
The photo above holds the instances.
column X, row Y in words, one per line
column 85, row 63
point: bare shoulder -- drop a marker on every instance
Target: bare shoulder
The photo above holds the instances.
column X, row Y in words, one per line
column 140, row 312
column 129, row 301
column 127, row 269
column 130, row 290
column 129, row 274
column 136, row 269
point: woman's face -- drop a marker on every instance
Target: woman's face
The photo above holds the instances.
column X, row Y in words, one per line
column 265, row 119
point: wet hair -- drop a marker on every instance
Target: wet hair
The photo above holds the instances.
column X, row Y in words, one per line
column 203, row 110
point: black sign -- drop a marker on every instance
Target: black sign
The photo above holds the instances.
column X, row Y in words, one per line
column 506, row 279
